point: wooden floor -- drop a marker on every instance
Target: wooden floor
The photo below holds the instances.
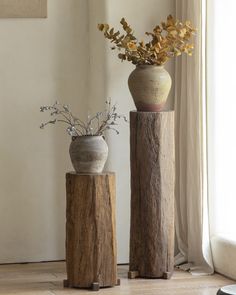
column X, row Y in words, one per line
column 46, row 278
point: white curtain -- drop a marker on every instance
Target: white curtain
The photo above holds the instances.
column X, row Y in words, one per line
column 192, row 228
column 221, row 133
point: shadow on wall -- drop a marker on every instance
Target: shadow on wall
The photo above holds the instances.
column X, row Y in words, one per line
column 97, row 75
column 84, row 77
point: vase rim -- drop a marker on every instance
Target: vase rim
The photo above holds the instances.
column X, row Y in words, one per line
column 87, row 136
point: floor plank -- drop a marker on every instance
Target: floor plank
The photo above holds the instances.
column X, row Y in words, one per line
column 47, row 279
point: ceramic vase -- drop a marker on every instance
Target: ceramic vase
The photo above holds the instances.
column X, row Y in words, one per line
column 88, row 154
column 149, row 86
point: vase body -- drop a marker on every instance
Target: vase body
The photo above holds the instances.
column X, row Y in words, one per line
column 88, row 154
column 149, row 86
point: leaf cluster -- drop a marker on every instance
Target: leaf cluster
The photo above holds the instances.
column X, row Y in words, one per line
column 169, row 39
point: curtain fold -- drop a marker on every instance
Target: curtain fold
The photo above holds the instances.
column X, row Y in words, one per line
column 191, row 211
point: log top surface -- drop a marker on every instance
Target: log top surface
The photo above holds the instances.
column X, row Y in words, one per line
column 160, row 112
column 91, row 174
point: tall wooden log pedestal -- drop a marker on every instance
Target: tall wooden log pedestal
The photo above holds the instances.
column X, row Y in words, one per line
column 91, row 255
column 152, row 195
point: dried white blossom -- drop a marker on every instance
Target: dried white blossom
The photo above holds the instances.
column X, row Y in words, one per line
column 95, row 125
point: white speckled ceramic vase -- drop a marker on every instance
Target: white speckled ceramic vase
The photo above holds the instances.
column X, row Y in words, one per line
column 149, row 86
column 88, row 154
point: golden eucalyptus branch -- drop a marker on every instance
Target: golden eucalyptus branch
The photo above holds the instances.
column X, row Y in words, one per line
column 170, row 39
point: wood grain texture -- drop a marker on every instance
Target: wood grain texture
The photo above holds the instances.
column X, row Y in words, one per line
column 23, row 8
column 91, row 252
column 152, row 194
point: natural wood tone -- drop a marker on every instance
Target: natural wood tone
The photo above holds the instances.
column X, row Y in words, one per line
column 152, row 194
column 23, row 8
column 46, row 279
column 91, row 230
column 133, row 274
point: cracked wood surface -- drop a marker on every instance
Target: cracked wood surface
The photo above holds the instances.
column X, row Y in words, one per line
column 152, row 193
column 91, row 230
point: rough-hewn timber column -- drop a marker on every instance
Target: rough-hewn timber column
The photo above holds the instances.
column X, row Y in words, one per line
column 152, row 194
column 91, row 254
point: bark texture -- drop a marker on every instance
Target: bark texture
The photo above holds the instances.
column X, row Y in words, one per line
column 152, row 194
column 91, row 254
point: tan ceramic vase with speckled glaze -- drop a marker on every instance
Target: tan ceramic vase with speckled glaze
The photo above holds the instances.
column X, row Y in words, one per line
column 149, row 86
column 88, row 154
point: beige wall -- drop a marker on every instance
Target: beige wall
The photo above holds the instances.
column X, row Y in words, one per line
column 41, row 61
column 45, row 60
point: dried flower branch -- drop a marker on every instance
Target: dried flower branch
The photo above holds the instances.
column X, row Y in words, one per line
column 96, row 125
column 171, row 38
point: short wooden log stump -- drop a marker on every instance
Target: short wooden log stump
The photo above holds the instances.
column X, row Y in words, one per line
column 152, row 194
column 91, row 254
